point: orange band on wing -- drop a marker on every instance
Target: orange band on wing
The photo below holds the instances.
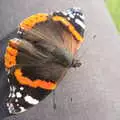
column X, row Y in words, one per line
column 10, row 57
column 36, row 83
column 29, row 22
column 69, row 25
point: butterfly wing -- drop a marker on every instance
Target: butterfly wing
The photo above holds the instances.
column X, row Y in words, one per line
column 26, row 89
column 29, row 75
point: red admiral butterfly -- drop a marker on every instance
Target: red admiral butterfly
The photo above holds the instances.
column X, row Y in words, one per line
column 39, row 59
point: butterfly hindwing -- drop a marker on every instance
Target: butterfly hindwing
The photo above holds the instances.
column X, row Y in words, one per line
column 22, row 96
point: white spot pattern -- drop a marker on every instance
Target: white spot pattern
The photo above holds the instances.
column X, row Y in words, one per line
column 31, row 100
column 18, row 95
column 10, row 108
column 82, row 17
column 17, row 104
column 71, row 15
column 80, row 23
column 22, row 109
column 21, row 88
column 16, row 100
column 13, row 95
column 8, row 80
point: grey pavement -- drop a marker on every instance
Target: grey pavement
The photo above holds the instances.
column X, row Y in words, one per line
column 91, row 92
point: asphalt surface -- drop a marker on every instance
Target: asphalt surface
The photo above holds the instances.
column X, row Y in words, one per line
column 91, row 92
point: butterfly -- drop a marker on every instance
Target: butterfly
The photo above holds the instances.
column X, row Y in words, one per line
column 39, row 58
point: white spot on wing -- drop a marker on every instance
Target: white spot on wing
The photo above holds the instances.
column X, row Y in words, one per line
column 18, row 95
column 17, row 104
column 13, row 89
column 80, row 23
column 10, row 108
column 10, row 88
column 21, row 88
column 31, row 100
column 10, row 95
column 71, row 15
column 8, row 80
column 22, row 109
column 7, row 104
column 19, row 32
column 16, row 100
column 64, row 13
column 13, row 95
column 68, row 18
column 82, row 17
column 69, row 11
